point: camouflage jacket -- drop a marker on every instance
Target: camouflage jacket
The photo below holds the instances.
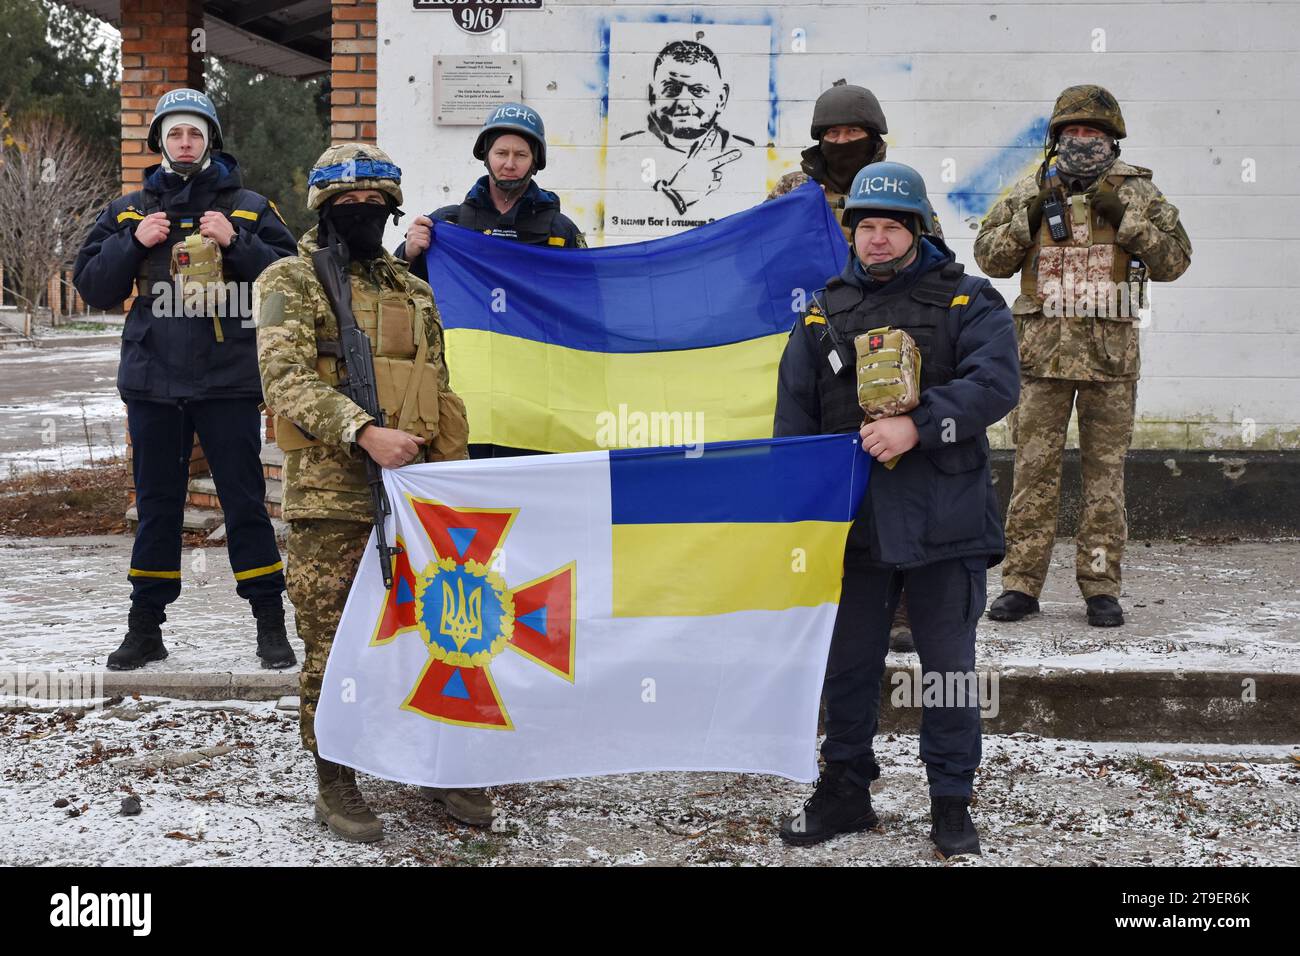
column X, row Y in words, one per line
column 1074, row 347
column 328, row 478
column 792, row 181
column 812, row 166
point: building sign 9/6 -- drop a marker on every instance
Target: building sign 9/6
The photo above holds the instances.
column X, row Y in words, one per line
column 477, row 16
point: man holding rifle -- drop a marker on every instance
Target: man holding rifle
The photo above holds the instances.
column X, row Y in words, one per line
column 350, row 348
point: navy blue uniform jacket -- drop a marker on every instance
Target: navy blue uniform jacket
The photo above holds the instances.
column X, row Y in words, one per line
column 167, row 358
column 938, row 501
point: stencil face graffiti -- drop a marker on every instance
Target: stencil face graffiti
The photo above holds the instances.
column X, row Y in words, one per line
column 687, row 96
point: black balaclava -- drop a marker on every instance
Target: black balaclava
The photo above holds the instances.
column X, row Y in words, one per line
column 844, row 160
column 359, row 225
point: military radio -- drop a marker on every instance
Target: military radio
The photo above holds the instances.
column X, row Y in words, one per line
column 1054, row 209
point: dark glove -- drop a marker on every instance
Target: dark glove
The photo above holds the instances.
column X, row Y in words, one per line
column 1110, row 206
column 1035, row 211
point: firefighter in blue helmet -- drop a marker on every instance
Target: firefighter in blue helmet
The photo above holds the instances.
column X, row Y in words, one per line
column 189, row 245
column 506, row 203
column 929, row 522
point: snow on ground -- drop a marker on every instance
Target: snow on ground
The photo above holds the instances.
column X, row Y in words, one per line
column 65, row 601
column 1039, row 802
column 1214, row 607
column 43, row 393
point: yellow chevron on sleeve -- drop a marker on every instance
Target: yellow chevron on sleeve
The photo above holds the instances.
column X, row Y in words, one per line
column 244, row 214
column 959, row 300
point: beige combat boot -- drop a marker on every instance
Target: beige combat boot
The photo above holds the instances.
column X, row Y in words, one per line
column 341, row 807
column 472, row 806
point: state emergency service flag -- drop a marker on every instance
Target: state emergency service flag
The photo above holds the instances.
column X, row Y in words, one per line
column 595, row 613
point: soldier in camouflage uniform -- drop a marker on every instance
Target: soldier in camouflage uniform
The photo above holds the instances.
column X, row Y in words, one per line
column 325, row 435
column 1086, row 233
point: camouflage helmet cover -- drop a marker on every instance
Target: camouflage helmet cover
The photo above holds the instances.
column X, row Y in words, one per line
column 345, row 167
column 1090, row 105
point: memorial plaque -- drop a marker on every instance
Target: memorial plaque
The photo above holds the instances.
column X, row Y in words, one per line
column 465, row 88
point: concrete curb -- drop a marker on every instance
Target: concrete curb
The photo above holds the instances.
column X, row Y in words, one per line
column 1156, row 706
column 75, row 341
column 219, row 685
column 1172, row 706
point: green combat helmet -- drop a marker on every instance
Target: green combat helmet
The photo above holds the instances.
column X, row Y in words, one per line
column 847, row 105
column 1092, row 105
column 348, row 166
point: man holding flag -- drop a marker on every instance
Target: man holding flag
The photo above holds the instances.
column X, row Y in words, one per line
column 507, row 203
column 327, row 436
column 848, row 127
column 930, row 523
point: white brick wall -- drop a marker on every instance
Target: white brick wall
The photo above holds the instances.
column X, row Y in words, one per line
column 1203, row 86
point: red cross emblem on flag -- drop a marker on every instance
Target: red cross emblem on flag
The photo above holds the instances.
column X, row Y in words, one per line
column 466, row 614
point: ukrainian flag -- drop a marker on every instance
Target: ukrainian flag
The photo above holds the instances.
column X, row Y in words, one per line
column 553, row 349
column 595, row 613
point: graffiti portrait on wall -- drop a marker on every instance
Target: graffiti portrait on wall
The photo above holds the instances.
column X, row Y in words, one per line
column 688, row 135
column 687, row 98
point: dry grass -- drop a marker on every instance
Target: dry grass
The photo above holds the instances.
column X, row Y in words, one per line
column 73, row 501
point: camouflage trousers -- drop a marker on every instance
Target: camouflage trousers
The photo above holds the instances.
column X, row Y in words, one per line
column 1038, row 427
column 322, row 555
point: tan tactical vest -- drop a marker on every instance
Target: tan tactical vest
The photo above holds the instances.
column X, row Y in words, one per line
column 1088, row 273
column 406, row 374
column 836, row 202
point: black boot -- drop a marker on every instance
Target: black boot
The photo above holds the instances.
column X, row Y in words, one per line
column 272, row 641
column 951, row 827
column 1104, row 611
column 900, row 631
column 143, row 643
column 1012, row 606
column 838, row 805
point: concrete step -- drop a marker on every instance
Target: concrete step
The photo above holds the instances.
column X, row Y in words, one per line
column 280, row 526
column 196, row 519
column 204, row 485
column 12, row 338
column 272, row 462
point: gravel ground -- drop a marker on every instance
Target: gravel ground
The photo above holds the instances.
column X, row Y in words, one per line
column 1039, row 802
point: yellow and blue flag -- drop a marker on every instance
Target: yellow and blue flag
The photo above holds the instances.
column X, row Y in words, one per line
column 551, row 348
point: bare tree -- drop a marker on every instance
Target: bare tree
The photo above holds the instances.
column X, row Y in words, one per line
column 51, row 190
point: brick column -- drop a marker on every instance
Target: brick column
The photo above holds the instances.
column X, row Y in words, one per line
column 353, row 74
column 54, row 299
column 157, row 55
